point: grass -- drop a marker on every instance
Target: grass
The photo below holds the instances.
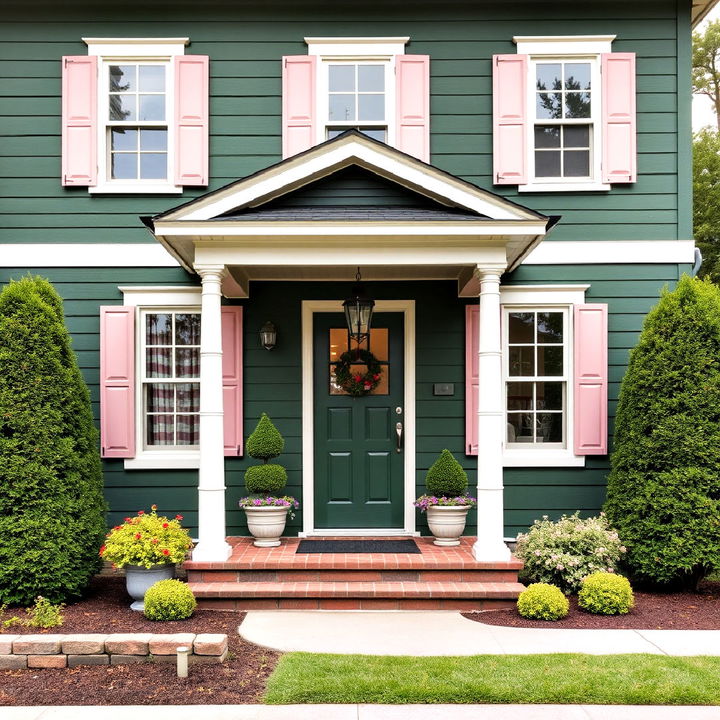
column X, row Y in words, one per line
column 561, row 678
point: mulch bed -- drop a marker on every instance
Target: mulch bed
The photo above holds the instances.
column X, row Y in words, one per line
column 652, row 611
column 105, row 609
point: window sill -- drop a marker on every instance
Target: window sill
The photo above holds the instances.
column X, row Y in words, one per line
column 565, row 187
column 189, row 460
column 135, row 189
column 540, row 458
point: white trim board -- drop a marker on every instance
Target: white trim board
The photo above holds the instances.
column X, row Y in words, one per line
column 605, row 252
column 309, row 307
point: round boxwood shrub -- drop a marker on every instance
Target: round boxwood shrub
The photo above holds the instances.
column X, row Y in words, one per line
column 265, row 479
column 265, row 442
column 605, row 593
column 169, row 600
column 52, row 510
column 663, row 491
column 446, row 477
column 541, row 601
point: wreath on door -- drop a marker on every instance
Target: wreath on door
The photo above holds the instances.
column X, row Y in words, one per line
column 353, row 382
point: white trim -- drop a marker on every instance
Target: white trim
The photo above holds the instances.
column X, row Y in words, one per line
column 364, row 532
column 161, row 296
column 358, row 46
column 542, row 294
column 79, row 255
column 110, row 187
column 531, row 458
column 566, row 186
column 136, row 47
column 152, row 460
column 563, row 44
column 309, row 307
column 601, row 252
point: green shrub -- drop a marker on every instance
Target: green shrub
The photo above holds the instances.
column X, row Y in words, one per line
column 604, row 593
column 265, row 442
column 566, row 551
column 265, row 479
column 446, row 477
column 169, row 600
column 664, row 487
column 541, row 601
column 52, row 510
column 44, row 614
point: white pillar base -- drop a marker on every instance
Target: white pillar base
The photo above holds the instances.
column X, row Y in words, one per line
column 491, row 551
column 207, row 552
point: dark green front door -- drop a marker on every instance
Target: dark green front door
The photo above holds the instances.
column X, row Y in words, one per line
column 358, row 468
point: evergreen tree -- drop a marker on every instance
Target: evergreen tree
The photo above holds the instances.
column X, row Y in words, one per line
column 52, row 510
column 664, row 487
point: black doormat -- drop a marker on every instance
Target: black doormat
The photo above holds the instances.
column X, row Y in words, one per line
column 358, row 546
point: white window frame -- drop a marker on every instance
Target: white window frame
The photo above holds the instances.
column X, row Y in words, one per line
column 118, row 51
column 149, row 299
column 337, row 51
column 566, row 49
column 539, row 298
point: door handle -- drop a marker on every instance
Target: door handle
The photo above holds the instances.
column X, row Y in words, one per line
column 399, row 431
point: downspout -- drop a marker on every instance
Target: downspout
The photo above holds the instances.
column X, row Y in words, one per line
column 698, row 262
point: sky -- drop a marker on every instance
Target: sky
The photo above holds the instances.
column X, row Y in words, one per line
column 702, row 112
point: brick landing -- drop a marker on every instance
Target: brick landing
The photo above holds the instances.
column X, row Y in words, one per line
column 279, row 578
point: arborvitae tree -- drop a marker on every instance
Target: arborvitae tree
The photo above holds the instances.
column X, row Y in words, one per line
column 664, row 487
column 446, row 477
column 52, row 510
column 265, row 443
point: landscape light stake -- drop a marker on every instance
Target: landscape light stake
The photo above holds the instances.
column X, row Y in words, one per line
column 182, row 661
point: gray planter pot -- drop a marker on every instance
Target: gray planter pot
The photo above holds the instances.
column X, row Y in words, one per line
column 138, row 579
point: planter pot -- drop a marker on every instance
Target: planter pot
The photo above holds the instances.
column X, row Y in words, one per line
column 138, row 579
column 266, row 524
column 446, row 523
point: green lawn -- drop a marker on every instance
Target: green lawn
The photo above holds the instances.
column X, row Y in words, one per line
column 610, row 679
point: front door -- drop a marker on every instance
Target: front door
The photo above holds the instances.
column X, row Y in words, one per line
column 359, row 475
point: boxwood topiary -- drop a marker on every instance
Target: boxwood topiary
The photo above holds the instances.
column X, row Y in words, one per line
column 265, row 442
column 52, row 510
column 265, row 479
column 605, row 593
column 541, row 601
column 169, row 600
column 446, row 477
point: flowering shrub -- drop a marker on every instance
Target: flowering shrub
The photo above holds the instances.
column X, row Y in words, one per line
column 566, row 551
column 169, row 600
column 426, row 501
column 541, row 601
column 285, row 501
column 606, row 594
column 146, row 540
column 44, row 614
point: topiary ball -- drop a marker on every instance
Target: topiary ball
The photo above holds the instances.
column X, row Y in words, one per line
column 446, row 477
column 265, row 479
column 605, row 593
column 169, row 600
column 265, row 442
column 542, row 601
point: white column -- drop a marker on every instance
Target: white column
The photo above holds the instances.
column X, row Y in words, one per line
column 212, row 545
column 489, row 546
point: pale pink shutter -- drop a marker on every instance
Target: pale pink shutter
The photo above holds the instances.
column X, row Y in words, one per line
column 619, row 129
column 299, row 112
column 472, row 378
column 232, row 344
column 591, row 379
column 192, row 119
column 510, row 119
column 117, row 381
column 412, row 78
column 79, row 120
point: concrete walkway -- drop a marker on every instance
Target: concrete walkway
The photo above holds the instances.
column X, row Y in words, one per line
column 449, row 633
column 365, row 712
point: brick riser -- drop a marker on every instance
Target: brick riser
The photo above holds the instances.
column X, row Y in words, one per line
column 331, row 575
column 242, row 604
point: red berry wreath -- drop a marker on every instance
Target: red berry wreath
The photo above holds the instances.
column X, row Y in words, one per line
column 355, row 383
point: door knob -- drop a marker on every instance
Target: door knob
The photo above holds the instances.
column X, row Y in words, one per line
column 399, row 431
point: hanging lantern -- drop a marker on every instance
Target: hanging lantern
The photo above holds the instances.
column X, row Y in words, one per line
column 358, row 313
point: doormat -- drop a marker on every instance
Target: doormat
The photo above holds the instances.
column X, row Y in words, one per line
column 358, row 546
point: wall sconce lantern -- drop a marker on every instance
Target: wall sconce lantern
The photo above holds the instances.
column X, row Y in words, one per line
column 358, row 312
column 268, row 335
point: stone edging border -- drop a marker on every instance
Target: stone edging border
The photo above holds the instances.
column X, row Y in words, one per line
column 18, row 652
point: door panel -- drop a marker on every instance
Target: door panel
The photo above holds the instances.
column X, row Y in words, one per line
column 359, row 474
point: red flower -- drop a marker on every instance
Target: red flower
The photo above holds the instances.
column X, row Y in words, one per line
column 102, row 550
column 376, row 377
column 154, row 541
column 153, row 508
column 166, row 552
column 178, row 517
column 166, row 525
column 127, row 520
column 141, row 512
column 117, row 527
column 368, row 385
column 358, row 377
column 138, row 536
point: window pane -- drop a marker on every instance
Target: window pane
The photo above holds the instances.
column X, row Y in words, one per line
column 550, row 360
column 153, row 166
column 187, row 329
column 158, row 362
column 549, row 327
column 577, row 136
column 371, row 78
column 187, row 430
column 160, row 430
column 152, row 107
column 577, row 76
column 123, row 139
column 549, row 105
column 342, row 107
column 375, row 133
column 549, row 427
column 521, row 327
column 549, row 395
column 371, row 107
column 160, row 397
column 549, row 76
column 123, row 166
column 521, row 361
column 577, row 163
column 334, row 132
column 547, row 137
column 520, row 427
column 520, row 396
column 577, row 105
column 151, row 78
column 188, row 397
column 341, row 78
column 547, row 163
column 123, row 78
column 153, row 139
column 187, row 362
column 158, row 329
column 122, row 107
